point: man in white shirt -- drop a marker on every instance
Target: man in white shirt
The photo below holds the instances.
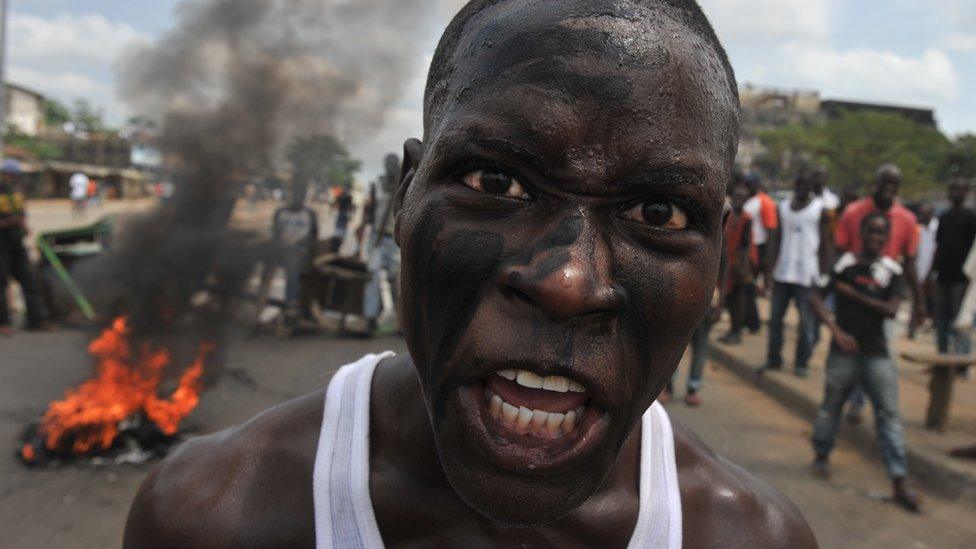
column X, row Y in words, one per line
column 79, row 192
column 800, row 250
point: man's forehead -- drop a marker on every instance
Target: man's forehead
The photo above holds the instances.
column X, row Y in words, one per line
column 588, row 78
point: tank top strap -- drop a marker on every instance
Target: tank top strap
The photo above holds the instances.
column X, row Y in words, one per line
column 340, row 482
column 659, row 519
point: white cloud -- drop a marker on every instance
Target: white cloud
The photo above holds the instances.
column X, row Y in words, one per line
column 65, row 41
column 747, row 21
column 69, row 57
column 868, row 74
column 44, row 82
column 960, row 43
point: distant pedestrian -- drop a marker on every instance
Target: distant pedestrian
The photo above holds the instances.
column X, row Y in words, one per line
column 955, row 237
column 14, row 261
column 800, row 250
column 295, row 229
column 830, row 200
column 740, row 263
column 762, row 209
column 93, row 193
column 79, row 192
column 928, row 226
column 343, row 205
column 869, row 288
column 765, row 219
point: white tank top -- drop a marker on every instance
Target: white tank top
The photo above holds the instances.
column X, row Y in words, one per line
column 344, row 515
column 799, row 260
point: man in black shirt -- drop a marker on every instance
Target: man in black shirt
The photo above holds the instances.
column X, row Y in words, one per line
column 869, row 288
column 957, row 230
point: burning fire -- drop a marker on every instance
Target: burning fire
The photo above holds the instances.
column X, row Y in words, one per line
column 125, row 383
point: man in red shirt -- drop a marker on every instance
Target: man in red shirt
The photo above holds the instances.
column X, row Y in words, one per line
column 903, row 244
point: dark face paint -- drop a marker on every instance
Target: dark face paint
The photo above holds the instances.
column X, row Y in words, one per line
column 565, row 283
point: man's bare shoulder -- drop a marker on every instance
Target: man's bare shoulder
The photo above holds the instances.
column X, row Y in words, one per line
column 247, row 485
column 725, row 506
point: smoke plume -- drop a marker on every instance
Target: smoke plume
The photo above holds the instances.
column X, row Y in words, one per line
column 229, row 87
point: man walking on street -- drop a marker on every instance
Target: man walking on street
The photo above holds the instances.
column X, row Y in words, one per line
column 869, row 288
column 800, row 251
column 954, row 238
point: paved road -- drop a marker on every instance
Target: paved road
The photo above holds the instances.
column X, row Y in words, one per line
column 83, row 506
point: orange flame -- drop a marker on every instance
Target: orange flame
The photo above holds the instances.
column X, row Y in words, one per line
column 124, row 383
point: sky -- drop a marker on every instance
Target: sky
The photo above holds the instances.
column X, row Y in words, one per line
column 906, row 52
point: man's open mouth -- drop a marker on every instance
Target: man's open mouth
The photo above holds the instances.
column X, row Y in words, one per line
column 529, row 422
column 535, row 406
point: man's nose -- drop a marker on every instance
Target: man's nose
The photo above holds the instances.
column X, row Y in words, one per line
column 573, row 278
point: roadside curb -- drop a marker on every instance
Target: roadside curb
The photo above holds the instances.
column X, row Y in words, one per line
column 925, row 468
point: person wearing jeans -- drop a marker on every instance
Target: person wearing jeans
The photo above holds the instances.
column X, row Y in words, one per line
column 869, row 288
column 878, row 378
column 954, row 238
column 800, row 251
column 783, row 293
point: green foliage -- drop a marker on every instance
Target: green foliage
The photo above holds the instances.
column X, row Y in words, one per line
column 323, row 160
column 40, row 148
column 55, row 113
column 854, row 144
column 86, row 117
column 961, row 159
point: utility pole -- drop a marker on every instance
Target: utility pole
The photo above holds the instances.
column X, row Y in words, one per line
column 3, row 72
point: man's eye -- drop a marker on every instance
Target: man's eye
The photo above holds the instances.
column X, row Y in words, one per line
column 495, row 183
column 659, row 213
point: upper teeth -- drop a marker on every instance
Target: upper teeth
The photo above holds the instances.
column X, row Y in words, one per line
column 533, row 380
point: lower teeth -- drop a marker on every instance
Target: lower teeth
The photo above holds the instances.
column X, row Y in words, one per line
column 537, row 423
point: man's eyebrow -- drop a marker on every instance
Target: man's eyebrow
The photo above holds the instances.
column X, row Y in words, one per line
column 468, row 139
column 666, row 177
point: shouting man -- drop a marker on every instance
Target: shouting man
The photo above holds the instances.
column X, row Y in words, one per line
column 561, row 229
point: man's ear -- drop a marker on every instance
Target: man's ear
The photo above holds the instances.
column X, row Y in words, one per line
column 726, row 212
column 413, row 152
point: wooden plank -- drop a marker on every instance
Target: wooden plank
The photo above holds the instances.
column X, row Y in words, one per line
column 940, row 360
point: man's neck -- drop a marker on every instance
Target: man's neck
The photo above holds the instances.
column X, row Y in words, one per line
column 878, row 206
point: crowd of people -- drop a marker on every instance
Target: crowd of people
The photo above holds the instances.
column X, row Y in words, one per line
column 845, row 263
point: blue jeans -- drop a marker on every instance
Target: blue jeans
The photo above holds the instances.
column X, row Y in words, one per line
column 782, row 294
column 385, row 256
column 295, row 262
column 948, row 299
column 879, row 380
column 699, row 353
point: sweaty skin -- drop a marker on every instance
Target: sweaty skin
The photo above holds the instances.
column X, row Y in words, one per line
column 562, row 216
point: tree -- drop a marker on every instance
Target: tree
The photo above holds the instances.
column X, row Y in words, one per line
column 323, row 160
column 961, row 159
column 55, row 113
column 86, row 117
column 855, row 143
